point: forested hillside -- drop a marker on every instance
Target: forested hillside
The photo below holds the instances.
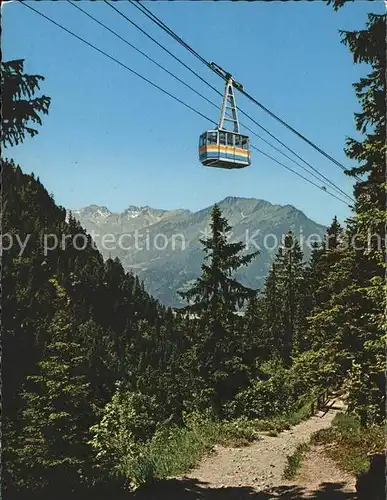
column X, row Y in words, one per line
column 105, row 390
column 72, row 326
column 162, row 246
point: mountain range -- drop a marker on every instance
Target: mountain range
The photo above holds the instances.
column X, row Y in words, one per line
column 162, row 246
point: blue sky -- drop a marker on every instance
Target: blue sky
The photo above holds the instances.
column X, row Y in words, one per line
column 114, row 140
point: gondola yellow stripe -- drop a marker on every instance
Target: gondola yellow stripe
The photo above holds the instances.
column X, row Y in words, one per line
column 223, row 149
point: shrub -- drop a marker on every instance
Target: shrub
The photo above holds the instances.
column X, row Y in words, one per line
column 372, row 483
column 295, row 461
column 350, row 442
column 265, row 398
column 128, row 421
column 175, row 450
column 320, row 369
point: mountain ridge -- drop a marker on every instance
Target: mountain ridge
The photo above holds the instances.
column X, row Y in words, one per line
column 162, row 246
column 185, row 210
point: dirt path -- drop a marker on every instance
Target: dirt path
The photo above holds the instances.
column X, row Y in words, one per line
column 318, row 471
column 256, row 472
column 262, row 464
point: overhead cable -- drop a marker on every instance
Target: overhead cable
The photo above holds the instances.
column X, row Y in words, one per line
column 147, row 12
column 339, row 190
column 164, row 91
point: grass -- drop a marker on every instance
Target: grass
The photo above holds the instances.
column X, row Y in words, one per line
column 278, row 424
column 295, row 461
column 175, row 450
column 348, row 443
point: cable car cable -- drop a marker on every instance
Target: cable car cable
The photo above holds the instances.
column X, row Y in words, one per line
column 117, row 61
column 168, row 30
column 338, row 189
column 176, row 37
column 296, row 154
column 157, row 21
column 317, row 148
column 166, row 92
column 148, row 13
column 161, row 46
column 163, row 26
column 142, row 53
column 297, row 173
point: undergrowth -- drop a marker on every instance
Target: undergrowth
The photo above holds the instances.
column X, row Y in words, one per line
column 175, row 450
column 278, row 424
column 348, row 443
column 295, row 461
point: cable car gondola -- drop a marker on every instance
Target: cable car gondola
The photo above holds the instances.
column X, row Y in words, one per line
column 224, row 148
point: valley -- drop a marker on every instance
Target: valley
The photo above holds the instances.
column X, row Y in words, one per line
column 162, row 247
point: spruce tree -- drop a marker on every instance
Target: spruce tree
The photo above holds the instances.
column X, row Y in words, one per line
column 53, row 449
column 285, row 298
column 353, row 316
column 19, row 107
column 368, row 46
column 216, row 292
column 256, row 338
column 217, row 352
column 271, row 312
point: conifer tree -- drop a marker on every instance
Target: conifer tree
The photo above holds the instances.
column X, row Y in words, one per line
column 313, row 275
column 256, row 339
column 368, row 46
column 58, row 413
column 216, row 291
column 271, row 312
column 354, row 313
column 19, row 107
column 216, row 297
column 285, row 298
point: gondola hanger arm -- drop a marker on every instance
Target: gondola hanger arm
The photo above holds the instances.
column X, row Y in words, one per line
column 225, row 74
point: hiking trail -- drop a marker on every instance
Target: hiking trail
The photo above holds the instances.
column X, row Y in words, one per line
column 255, row 472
